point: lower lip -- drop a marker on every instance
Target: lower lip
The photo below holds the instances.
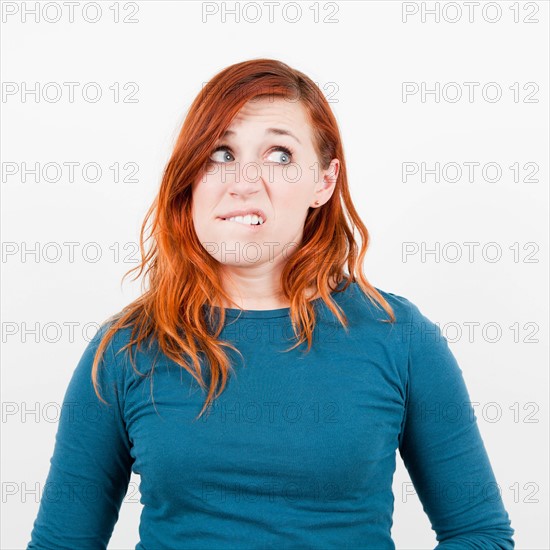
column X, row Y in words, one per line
column 249, row 227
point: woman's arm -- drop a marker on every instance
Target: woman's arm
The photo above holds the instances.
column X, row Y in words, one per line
column 443, row 451
column 91, row 465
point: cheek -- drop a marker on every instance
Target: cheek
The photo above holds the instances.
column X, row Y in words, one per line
column 291, row 199
column 289, row 220
column 206, row 194
column 202, row 208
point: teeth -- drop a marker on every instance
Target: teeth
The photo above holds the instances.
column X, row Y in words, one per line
column 247, row 220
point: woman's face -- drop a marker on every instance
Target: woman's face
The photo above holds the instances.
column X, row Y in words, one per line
column 266, row 161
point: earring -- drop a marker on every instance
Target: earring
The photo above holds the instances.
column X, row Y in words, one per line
column 317, row 203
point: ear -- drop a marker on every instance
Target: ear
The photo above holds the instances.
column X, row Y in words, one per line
column 327, row 184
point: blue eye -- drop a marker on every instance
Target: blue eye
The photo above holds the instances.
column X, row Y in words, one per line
column 222, row 148
column 285, row 153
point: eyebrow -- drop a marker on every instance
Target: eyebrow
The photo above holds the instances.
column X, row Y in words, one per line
column 276, row 131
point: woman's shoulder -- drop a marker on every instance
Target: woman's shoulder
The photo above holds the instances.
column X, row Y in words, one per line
column 420, row 330
column 404, row 309
column 397, row 301
column 118, row 339
column 129, row 347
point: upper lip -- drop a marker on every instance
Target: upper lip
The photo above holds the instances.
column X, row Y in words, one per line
column 245, row 212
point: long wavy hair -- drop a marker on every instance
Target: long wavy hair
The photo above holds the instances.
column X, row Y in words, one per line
column 181, row 278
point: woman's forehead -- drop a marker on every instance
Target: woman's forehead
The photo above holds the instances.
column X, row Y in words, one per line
column 285, row 113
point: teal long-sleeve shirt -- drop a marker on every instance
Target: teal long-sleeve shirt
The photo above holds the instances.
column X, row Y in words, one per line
column 298, row 451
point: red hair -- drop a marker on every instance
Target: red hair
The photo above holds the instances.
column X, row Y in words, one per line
column 183, row 277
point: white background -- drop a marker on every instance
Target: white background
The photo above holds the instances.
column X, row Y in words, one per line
column 361, row 60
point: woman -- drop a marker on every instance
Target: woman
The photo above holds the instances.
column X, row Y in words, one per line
column 294, row 445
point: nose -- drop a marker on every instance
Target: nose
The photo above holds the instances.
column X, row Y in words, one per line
column 245, row 177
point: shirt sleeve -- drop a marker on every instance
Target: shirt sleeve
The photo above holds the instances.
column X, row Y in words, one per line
column 442, row 449
column 91, row 464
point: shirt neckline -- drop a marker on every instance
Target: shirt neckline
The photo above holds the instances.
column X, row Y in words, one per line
column 271, row 313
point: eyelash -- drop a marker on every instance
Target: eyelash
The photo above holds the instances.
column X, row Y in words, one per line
column 285, row 150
